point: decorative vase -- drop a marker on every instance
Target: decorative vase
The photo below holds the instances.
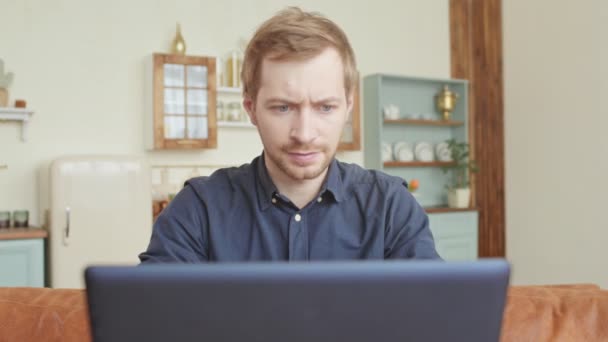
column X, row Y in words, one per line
column 234, row 63
column 459, row 198
column 446, row 101
column 3, row 97
column 179, row 44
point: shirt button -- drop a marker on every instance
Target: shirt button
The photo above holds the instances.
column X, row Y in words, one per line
column 298, row 218
column 319, row 199
column 274, row 200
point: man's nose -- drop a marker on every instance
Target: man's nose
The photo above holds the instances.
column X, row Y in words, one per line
column 303, row 128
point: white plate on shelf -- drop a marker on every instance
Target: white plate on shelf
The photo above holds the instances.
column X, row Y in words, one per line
column 403, row 151
column 443, row 153
column 424, row 152
column 387, row 152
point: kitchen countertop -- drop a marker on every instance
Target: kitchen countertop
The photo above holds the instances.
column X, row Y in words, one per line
column 22, row 233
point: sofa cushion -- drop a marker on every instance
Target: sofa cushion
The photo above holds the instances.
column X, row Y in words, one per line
column 556, row 313
column 42, row 314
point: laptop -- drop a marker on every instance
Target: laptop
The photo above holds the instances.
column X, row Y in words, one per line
column 356, row 301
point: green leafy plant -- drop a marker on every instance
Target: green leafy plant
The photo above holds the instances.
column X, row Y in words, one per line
column 461, row 168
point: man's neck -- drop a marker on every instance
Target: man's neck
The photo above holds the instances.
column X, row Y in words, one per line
column 299, row 193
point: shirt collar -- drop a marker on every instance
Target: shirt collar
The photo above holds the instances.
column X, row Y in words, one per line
column 334, row 181
column 267, row 189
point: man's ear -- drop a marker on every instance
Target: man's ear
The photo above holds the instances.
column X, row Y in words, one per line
column 249, row 106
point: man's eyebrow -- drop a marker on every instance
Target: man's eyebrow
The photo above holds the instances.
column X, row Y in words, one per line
column 327, row 99
column 292, row 101
column 279, row 99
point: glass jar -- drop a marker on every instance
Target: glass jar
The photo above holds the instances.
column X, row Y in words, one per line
column 21, row 218
column 220, row 111
column 5, row 219
column 234, row 111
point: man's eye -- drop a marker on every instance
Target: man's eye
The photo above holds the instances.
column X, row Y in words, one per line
column 326, row 108
column 282, row 108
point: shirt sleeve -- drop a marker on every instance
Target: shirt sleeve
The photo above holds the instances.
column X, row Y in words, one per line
column 179, row 231
column 407, row 232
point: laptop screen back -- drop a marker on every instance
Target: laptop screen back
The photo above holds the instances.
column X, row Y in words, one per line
column 320, row 302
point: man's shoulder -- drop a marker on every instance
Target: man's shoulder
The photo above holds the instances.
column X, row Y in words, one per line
column 355, row 175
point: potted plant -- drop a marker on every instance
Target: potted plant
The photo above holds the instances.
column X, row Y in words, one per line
column 5, row 82
column 458, row 186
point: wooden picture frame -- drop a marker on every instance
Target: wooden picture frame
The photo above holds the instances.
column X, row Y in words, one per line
column 351, row 137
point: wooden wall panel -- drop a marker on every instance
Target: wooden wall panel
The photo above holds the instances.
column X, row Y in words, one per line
column 476, row 55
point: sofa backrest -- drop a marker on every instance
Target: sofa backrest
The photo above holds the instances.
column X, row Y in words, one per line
column 532, row 313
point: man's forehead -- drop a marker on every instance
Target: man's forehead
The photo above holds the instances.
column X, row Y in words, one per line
column 328, row 59
column 318, row 76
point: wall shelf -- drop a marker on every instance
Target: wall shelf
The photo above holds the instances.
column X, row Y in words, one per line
column 454, row 229
column 424, row 122
column 17, row 114
column 416, row 164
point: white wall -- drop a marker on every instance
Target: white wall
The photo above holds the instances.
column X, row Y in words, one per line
column 79, row 64
column 556, row 85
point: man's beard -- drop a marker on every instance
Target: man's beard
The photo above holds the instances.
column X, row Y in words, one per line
column 300, row 173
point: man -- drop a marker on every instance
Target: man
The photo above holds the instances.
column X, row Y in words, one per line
column 295, row 201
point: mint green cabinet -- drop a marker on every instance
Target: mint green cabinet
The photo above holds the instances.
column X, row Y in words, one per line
column 455, row 234
column 419, row 121
column 22, row 263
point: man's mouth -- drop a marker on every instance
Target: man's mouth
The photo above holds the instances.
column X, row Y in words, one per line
column 302, row 158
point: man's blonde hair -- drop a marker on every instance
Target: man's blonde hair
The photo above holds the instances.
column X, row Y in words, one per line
column 295, row 34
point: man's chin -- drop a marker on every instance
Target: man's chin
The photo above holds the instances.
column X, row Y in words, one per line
column 302, row 173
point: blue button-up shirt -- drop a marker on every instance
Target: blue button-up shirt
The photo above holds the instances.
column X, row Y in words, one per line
column 237, row 214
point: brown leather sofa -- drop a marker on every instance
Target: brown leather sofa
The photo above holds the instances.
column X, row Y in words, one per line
column 533, row 313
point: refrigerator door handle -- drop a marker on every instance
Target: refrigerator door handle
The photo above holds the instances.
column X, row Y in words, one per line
column 66, row 235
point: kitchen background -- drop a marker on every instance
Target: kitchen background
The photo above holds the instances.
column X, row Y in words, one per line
column 80, row 66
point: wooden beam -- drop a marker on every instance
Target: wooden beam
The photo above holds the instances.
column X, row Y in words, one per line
column 476, row 55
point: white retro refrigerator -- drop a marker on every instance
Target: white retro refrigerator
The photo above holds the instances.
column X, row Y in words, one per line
column 99, row 212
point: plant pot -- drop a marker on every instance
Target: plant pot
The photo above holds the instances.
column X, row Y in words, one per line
column 459, row 198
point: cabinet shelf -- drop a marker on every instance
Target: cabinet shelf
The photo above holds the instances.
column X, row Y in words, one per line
column 424, row 122
column 417, row 164
column 438, row 210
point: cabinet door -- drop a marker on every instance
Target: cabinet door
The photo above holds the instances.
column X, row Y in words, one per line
column 184, row 93
column 455, row 234
column 22, row 263
column 457, row 248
